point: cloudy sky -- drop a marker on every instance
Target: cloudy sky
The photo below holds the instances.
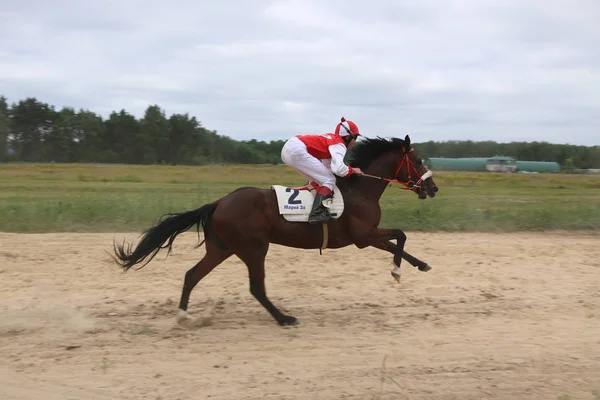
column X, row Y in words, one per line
column 437, row 70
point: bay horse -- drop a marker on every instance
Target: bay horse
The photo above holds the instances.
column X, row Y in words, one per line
column 245, row 221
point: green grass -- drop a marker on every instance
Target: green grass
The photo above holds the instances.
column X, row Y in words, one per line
column 97, row 198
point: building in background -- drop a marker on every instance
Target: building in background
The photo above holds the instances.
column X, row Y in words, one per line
column 490, row 164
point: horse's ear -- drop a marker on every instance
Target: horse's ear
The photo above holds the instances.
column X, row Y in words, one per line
column 407, row 140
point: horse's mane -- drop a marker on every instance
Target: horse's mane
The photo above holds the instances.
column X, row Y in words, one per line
column 366, row 150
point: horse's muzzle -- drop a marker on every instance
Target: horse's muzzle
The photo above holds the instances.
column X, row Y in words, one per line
column 428, row 186
column 431, row 191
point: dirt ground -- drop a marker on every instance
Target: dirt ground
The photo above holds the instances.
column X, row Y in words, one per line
column 500, row 316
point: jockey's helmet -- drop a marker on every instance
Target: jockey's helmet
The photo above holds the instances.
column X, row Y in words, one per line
column 347, row 128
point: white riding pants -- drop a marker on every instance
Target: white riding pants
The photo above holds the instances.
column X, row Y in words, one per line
column 295, row 154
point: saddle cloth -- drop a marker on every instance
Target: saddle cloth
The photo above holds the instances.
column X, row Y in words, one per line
column 295, row 204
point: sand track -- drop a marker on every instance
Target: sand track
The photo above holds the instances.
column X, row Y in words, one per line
column 506, row 316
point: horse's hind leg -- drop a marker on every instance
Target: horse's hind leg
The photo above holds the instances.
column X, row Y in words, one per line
column 213, row 257
column 254, row 258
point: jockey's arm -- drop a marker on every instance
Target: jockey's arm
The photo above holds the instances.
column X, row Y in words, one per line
column 338, row 167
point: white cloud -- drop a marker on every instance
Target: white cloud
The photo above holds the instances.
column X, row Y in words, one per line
column 493, row 70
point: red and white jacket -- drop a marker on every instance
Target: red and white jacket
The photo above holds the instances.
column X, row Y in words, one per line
column 328, row 146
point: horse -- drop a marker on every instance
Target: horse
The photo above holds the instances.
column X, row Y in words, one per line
column 247, row 220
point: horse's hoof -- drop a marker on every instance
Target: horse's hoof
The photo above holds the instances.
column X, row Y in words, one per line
column 183, row 315
column 183, row 318
column 289, row 321
column 424, row 268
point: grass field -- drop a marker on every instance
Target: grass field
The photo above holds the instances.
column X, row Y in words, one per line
column 102, row 198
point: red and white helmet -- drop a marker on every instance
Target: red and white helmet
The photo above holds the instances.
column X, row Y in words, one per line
column 347, row 128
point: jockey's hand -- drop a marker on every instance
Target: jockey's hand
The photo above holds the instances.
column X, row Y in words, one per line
column 357, row 171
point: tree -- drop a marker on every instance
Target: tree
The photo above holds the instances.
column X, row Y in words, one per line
column 121, row 139
column 568, row 166
column 154, row 135
column 4, row 129
column 31, row 122
column 183, row 140
column 89, row 137
column 60, row 145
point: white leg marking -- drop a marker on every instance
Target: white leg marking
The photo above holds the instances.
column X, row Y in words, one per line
column 396, row 272
column 182, row 315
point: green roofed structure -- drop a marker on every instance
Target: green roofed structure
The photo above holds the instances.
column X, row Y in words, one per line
column 538, row 166
column 490, row 164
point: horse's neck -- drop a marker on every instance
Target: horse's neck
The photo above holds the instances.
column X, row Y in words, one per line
column 372, row 188
column 368, row 188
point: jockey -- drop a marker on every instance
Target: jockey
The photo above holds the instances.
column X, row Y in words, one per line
column 320, row 157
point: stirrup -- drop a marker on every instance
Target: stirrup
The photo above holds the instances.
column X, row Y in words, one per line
column 319, row 217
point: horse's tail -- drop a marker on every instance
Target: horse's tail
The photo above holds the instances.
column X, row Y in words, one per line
column 168, row 228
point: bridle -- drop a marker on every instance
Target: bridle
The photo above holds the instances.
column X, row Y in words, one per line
column 410, row 183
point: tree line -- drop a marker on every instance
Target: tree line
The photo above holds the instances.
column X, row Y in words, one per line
column 34, row 131
column 570, row 157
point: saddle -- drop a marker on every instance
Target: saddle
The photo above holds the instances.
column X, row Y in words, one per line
column 295, row 204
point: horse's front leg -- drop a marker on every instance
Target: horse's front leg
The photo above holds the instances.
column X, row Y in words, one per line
column 378, row 238
column 414, row 261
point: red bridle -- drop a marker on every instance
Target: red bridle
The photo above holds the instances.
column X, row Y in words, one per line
column 410, row 167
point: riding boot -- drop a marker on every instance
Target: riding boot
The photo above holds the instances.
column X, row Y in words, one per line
column 319, row 212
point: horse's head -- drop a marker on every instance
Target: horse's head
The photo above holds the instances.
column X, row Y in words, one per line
column 412, row 172
column 394, row 160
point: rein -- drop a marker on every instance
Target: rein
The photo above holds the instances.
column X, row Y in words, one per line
column 410, row 184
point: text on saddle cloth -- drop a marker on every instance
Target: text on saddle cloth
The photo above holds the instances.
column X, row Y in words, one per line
column 295, row 205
